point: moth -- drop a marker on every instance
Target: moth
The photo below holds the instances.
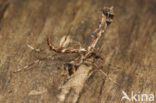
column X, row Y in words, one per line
column 89, row 52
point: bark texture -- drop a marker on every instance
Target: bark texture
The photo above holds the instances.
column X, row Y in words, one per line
column 128, row 48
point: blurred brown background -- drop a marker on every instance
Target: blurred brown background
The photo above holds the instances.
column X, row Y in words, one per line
column 128, row 48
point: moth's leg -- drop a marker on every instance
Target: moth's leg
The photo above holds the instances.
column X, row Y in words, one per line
column 28, row 67
column 105, row 74
column 31, row 47
column 73, row 65
column 71, row 69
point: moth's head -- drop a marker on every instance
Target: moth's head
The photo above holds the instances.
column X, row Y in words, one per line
column 109, row 13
